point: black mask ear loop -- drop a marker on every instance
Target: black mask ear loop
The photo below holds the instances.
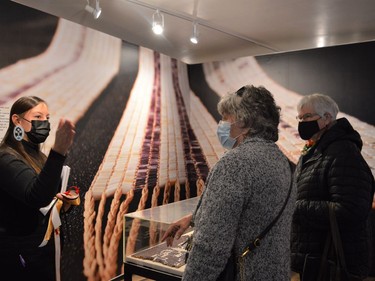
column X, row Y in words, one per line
column 24, row 119
column 326, row 116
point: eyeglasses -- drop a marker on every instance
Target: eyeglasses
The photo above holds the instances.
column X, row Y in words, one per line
column 240, row 91
column 306, row 116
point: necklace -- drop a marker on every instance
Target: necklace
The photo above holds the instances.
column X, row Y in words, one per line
column 308, row 145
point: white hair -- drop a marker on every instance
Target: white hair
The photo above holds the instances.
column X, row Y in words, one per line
column 322, row 104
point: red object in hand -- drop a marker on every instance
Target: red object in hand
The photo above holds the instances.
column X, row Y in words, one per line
column 71, row 196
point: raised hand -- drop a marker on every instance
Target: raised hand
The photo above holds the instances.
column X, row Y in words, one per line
column 64, row 136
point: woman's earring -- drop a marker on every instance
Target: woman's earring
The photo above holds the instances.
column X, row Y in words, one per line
column 18, row 133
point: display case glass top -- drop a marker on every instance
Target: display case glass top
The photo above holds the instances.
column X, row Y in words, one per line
column 143, row 232
column 168, row 213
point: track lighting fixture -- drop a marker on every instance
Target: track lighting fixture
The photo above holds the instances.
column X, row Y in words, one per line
column 94, row 11
column 158, row 22
column 194, row 36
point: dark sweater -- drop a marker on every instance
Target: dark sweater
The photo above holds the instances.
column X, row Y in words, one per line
column 23, row 192
column 334, row 171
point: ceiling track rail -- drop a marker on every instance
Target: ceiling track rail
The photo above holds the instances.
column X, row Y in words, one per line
column 202, row 23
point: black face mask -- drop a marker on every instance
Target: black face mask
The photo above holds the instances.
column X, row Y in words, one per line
column 307, row 129
column 39, row 131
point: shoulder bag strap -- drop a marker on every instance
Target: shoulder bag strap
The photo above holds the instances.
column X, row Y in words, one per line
column 256, row 242
column 336, row 238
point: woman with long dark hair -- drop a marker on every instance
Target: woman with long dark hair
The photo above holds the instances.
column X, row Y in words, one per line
column 29, row 181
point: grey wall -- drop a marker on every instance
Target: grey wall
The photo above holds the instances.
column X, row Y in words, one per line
column 346, row 73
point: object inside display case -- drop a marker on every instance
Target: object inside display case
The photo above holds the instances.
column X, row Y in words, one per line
column 143, row 231
column 174, row 256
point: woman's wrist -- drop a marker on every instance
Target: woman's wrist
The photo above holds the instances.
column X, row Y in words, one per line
column 191, row 223
column 59, row 151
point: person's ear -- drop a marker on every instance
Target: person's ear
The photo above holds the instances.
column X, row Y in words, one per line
column 327, row 116
column 246, row 131
column 15, row 119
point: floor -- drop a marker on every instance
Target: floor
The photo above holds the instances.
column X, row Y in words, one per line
column 140, row 278
column 294, row 278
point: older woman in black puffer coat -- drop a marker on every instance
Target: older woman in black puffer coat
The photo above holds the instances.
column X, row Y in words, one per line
column 331, row 169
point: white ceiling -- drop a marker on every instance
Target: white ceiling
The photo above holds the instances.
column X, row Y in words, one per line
column 227, row 28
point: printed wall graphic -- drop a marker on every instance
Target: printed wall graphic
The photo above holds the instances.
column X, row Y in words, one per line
column 352, row 67
column 231, row 75
column 159, row 150
column 144, row 138
column 69, row 75
column 4, row 120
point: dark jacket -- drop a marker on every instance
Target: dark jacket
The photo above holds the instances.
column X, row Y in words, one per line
column 23, row 192
column 22, row 225
column 334, row 170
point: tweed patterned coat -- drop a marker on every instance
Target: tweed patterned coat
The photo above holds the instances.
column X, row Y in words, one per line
column 244, row 192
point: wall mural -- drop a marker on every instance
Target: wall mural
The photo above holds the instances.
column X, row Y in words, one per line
column 143, row 137
column 231, row 75
column 159, row 149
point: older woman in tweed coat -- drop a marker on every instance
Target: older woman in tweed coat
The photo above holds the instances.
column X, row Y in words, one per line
column 244, row 192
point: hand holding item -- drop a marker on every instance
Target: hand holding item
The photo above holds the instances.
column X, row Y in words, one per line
column 176, row 229
column 64, row 136
column 70, row 197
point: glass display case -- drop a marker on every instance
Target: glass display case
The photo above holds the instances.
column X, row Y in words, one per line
column 144, row 253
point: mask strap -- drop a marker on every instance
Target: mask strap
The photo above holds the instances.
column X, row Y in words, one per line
column 24, row 119
column 238, row 136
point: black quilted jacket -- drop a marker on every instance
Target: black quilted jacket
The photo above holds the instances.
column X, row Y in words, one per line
column 334, row 171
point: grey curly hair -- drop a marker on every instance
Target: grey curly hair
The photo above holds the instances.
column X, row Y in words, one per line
column 253, row 108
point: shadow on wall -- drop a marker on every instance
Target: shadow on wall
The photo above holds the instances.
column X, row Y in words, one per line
column 345, row 73
column 24, row 32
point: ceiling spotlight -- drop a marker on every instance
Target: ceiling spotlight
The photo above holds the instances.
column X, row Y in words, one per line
column 158, row 22
column 194, row 36
column 94, row 11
